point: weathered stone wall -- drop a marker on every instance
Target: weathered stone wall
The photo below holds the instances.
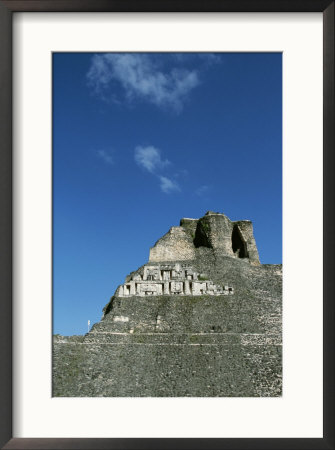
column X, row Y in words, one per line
column 167, row 370
column 174, row 245
column 169, row 279
column 213, row 230
column 255, row 306
column 183, row 346
column 248, row 233
column 190, row 226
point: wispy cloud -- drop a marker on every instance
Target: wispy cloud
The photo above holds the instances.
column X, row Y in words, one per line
column 211, row 58
column 141, row 78
column 203, row 190
column 206, row 58
column 150, row 158
column 167, row 185
column 182, row 173
column 106, row 157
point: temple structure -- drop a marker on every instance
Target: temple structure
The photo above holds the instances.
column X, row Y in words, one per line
column 169, row 279
column 214, row 231
column 174, row 329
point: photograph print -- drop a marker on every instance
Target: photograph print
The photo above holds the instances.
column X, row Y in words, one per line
column 167, row 224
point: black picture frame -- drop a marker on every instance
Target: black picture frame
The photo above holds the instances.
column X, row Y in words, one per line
column 7, row 9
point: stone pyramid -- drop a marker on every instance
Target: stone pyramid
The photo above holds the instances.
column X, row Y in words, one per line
column 202, row 318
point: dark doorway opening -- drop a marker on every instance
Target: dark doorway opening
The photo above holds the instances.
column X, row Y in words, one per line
column 238, row 243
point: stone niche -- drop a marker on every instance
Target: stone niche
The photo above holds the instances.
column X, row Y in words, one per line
column 169, row 279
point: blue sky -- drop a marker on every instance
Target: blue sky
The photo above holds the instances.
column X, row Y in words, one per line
column 141, row 140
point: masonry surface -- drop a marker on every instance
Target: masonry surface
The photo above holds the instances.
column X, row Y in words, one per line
column 202, row 318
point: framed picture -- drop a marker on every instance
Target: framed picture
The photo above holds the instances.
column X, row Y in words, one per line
column 117, row 116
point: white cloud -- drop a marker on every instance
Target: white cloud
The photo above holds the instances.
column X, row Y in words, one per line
column 105, row 156
column 141, row 78
column 150, row 158
column 167, row 185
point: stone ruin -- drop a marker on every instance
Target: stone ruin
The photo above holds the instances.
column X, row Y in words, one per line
column 169, row 279
column 214, row 231
column 173, row 329
column 166, row 274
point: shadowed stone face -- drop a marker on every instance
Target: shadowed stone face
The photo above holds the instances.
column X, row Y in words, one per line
column 239, row 244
